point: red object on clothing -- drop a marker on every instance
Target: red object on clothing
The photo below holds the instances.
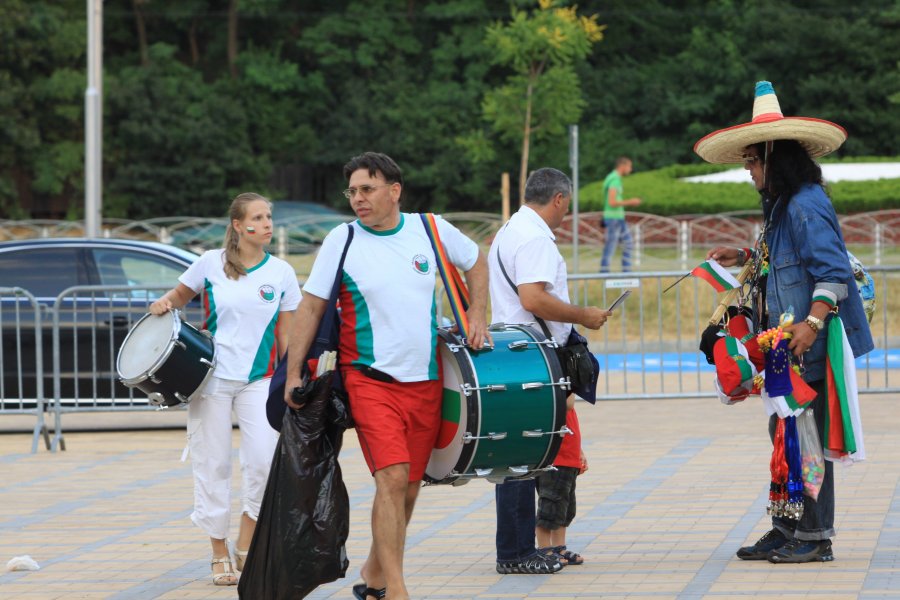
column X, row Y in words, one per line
column 569, row 454
column 396, row 422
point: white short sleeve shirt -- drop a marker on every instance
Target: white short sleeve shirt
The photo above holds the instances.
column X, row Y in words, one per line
column 527, row 247
column 387, row 293
column 242, row 314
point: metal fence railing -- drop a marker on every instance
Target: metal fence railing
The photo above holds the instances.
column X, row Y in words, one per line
column 647, row 350
column 22, row 332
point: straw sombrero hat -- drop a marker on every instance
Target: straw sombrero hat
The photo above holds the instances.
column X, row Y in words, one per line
column 818, row 136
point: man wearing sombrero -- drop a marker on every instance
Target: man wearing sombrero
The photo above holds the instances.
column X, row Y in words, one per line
column 800, row 266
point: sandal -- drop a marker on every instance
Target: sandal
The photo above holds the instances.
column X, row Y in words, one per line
column 361, row 592
column 571, row 558
column 227, row 576
column 240, row 558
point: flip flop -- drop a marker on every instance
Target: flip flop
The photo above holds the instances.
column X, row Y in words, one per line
column 361, row 592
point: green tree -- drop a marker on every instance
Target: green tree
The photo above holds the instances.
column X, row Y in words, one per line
column 543, row 94
column 41, row 107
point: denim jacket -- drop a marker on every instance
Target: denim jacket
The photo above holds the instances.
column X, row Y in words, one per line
column 806, row 251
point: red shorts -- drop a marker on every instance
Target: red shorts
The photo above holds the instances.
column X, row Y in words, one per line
column 396, row 422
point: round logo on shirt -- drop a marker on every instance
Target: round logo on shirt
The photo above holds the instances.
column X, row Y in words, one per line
column 420, row 264
column 267, row 293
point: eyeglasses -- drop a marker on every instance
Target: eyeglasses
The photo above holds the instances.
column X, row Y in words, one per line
column 749, row 160
column 365, row 190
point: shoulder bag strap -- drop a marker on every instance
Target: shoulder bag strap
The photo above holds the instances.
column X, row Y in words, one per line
column 540, row 321
column 326, row 331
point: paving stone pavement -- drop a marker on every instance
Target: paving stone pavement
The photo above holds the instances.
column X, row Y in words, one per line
column 674, row 488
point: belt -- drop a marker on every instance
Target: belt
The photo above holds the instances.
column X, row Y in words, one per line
column 374, row 374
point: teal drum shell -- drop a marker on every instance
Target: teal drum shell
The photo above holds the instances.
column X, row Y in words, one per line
column 504, row 408
column 168, row 359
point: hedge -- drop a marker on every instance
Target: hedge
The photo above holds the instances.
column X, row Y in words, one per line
column 664, row 193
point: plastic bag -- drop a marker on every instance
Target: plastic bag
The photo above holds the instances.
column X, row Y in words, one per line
column 811, row 456
column 304, row 520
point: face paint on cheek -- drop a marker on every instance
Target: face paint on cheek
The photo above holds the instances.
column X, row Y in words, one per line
column 251, row 230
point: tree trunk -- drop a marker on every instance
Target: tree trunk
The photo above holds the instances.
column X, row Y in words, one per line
column 141, row 31
column 526, row 142
column 232, row 37
column 192, row 42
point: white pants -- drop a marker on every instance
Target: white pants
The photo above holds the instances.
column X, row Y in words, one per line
column 209, row 439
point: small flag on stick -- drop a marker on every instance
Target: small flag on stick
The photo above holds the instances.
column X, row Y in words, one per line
column 716, row 275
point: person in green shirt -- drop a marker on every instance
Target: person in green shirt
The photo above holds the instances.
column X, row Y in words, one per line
column 614, row 215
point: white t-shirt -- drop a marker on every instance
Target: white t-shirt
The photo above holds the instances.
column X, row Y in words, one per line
column 528, row 250
column 387, row 294
column 242, row 314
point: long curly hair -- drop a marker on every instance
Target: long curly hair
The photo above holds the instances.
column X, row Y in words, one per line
column 234, row 269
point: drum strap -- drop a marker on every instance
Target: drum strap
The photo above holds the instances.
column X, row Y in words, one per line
column 457, row 293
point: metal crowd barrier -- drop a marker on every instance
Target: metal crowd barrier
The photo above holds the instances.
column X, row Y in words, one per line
column 17, row 323
column 647, row 350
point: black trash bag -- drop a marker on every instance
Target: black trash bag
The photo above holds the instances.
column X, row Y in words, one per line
column 300, row 538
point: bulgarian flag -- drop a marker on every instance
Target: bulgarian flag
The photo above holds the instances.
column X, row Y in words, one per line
column 843, row 428
column 716, row 275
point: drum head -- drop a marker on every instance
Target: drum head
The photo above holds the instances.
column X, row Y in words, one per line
column 446, row 456
column 148, row 342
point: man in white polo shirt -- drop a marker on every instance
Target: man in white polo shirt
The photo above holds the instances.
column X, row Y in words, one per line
column 526, row 247
column 388, row 346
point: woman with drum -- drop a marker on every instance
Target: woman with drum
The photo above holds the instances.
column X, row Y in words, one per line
column 249, row 297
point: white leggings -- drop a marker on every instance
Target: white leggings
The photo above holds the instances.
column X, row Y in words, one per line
column 209, row 439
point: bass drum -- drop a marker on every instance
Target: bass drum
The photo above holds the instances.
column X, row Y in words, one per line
column 504, row 407
column 166, row 358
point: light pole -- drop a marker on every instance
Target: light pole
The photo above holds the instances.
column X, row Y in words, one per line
column 93, row 122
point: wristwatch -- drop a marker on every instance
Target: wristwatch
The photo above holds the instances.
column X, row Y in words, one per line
column 814, row 323
column 741, row 257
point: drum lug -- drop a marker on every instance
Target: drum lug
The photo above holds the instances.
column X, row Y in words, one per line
column 156, row 399
column 483, row 472
column 520, row 344
column 536, row 433
column 154, row 379
column 207, row 362
column 490, row 436
column 536, row 385
column 523, row 470
column 180, row 344
column 182, row 398
column 468, row 388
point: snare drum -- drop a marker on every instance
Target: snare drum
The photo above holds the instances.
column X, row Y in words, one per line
column 504, row 408
column 166, row 358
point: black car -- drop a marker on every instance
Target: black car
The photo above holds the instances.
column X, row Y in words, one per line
column 114, row 281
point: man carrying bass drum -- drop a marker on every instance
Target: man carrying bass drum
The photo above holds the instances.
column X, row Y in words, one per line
column 249, row 299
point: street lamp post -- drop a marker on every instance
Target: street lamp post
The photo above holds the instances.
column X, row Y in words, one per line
column 93, row 121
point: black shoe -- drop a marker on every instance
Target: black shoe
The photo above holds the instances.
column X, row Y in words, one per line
column 802, row 551
column 772, row 540
column 507, row 567
column 536, row 564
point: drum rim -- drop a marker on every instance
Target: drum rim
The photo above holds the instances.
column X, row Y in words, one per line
column 447, row 336
column 176, row 329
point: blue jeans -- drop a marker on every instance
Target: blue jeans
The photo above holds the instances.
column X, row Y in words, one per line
column 817, row 522
column 515, row 519
column 616, row 231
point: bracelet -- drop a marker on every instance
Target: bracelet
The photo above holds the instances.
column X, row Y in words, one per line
column 814, row 323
